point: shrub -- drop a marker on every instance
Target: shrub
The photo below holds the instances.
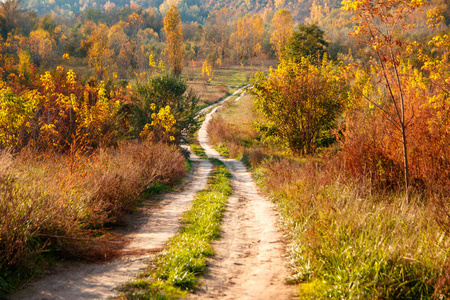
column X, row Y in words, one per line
column 161, row 91
column 299, row 104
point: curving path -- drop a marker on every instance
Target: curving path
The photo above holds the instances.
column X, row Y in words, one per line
column 250, row 258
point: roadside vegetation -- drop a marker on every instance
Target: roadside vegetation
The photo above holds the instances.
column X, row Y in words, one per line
column 349, row 238
column 51, row 210
column 176, row 270
column 76, row 156
column 73, row 165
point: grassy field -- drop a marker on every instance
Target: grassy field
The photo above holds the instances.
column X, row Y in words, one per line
column 224, row 80
column 349, row 241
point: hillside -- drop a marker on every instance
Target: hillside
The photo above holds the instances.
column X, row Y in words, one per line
column 190, row 10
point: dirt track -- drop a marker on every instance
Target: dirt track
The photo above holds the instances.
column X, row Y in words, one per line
column 249, row 261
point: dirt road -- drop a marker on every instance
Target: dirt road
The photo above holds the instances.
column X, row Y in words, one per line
column 154, row 226
column 249, row 261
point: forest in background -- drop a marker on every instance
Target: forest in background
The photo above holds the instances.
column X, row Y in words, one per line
column 131, row 32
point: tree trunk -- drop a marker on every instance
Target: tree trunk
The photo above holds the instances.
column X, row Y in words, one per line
column 406, row 165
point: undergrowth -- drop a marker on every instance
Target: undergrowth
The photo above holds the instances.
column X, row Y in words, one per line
column 59, row 207
column 175, row 270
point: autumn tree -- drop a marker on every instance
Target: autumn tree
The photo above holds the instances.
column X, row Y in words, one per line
column 299, row 104
column 25, row 66
column 159, row 92
column 9, row 11
column 15, row 115
column 41, row 46
column 247, row 36
column 380, row 25
column 282, row 28
column 174, row 40
column 307, row 40
column 217, row 32
column 117, row 38
column 100, row 54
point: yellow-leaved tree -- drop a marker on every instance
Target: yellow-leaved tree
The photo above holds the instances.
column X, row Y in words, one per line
column 282, row 28
column 15, row 115
column 174, row 40
column 247, row 36
column 300, row 103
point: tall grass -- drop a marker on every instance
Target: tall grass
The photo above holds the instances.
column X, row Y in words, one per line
column 50, row 208
column 351, row 244
column 231, row 139
column 351, row 239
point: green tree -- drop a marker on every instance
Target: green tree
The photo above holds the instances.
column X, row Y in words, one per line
column 174, row 40
column 299, row 103
column 307, row 40
column 157, row 93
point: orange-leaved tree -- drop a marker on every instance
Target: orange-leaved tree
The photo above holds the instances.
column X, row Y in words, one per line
column 217, row 32
column 174, row 40
column 380, row 25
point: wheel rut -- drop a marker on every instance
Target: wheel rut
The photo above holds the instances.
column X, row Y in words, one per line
column 250, row 260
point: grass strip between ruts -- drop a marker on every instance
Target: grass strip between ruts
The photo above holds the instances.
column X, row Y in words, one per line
column 175, row 271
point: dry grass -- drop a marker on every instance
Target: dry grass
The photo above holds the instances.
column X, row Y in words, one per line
column 230, row 139
column 48, row 207
column 350, row 239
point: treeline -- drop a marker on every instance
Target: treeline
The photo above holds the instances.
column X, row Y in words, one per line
column 190, row 10
column 121, row 40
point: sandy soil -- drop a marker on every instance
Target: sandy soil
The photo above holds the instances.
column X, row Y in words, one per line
column 250, row 257
column 151, row 228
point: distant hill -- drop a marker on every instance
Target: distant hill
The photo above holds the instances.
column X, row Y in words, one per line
column 190, row 10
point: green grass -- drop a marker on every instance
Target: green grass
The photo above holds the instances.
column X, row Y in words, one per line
column 175, row 270
column 223, row 150
column 199, row 151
